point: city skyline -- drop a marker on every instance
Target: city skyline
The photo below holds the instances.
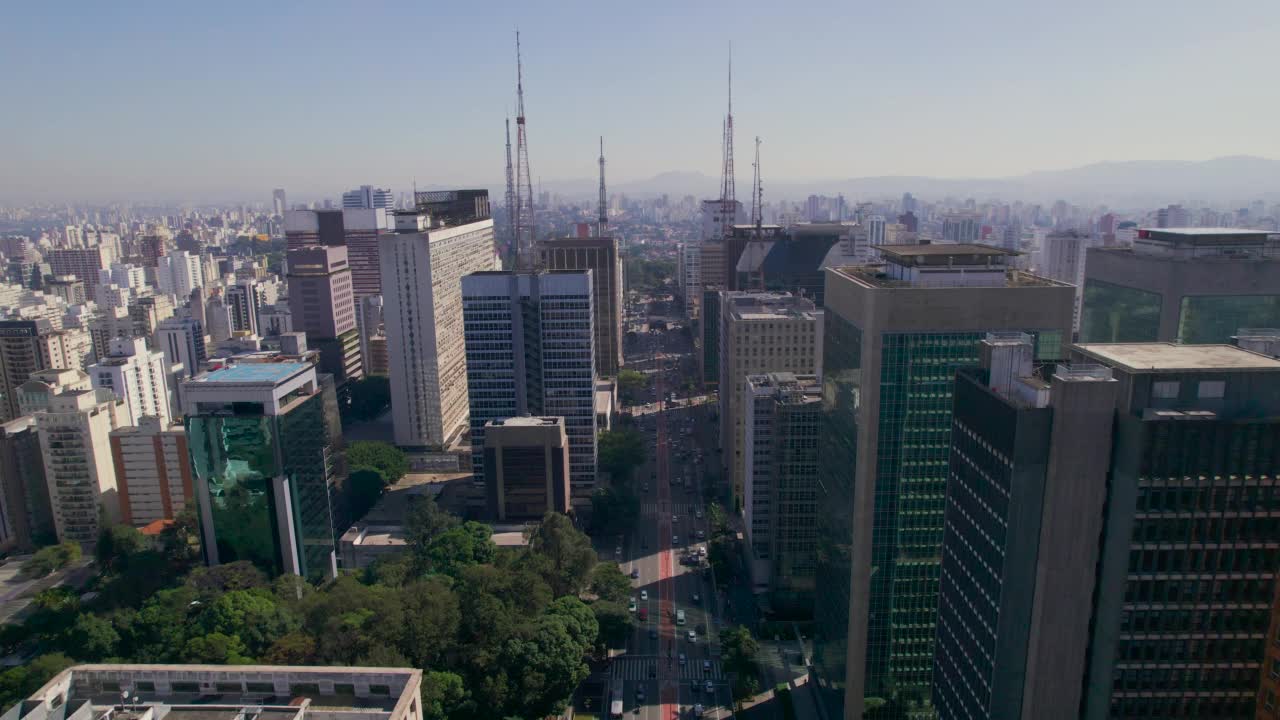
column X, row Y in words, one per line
column 904, row 93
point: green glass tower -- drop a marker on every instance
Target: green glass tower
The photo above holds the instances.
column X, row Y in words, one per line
column 894, row 337
column 266, row 450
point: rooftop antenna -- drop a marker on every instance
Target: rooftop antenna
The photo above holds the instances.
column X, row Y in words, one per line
column 524, row 186
column 508, row 262
column 757, row 211
column 602, row 221
column 727, row 191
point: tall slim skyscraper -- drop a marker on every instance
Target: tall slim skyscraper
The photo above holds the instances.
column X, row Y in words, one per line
column 137, row 376
column 369, row 197
column 530, row 351
column 323, row 306
column 1196, row 285
column 278, row 203
column 266, row 454
column 422, row 269
column 599, row 255
column 182, row 340
column 894, row 335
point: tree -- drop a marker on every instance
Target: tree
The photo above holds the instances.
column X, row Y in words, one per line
column 295, row 648
column 370, row 398
column 717, row 519
column 365, row 486
column 608, row 583
column 614, row 508
column 425, row 521
column 116, row 545
column 738, row 652
column 620, row 452
column 388, row 459
column 469, row 544
column 432, row 616
column 630, row 385
column 544, row 665
column 180, row 540
column 568, row 553
column 18, row 683
column 252, row 615
column 442, row 694
column 92, row 638
column 239, row 575
column 51, row 559
column 615, row 623
column 215, row 649
column 579, row 620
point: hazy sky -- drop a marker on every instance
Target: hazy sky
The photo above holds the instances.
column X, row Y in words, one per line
column 218, row 100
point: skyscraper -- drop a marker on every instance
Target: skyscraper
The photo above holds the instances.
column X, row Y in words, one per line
column 182, row 340
column 530, row 351
column 278, row 203
column 599, row 255
column 894, row 335
column 358, row 229
column 84, row 263
column 137, row 376
column 266, row 453
column 422, row 269
column 961, row 227
column 369, row 197
column 1196, row 285
column 77, row 460
column 323, row 306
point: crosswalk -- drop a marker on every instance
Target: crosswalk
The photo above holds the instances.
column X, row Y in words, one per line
column 637, row 668
column 680, row 508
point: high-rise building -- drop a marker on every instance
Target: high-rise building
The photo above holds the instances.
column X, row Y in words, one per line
column 875, row 230
column 137, row 376
column 368, row 197
column 526, row 468
column 27, row 508
column 1187, row 285
column 1026, row 488
column 147, row 312
column 1064, row 254
column 153, row 471
column 760, row 333
column 30, row 345
column 152, row 247
column 600, row 256
column 719, row 214
column 243, row 302
column 266, row 453
column 322, row 305
column 182, row 340
column 168, row 691
column 278, row 202
column 961, row 227
column 780, row 457
column 69, row 288
column 77, row 460
column 84, row 263
column 422, row 270
column 894, row 334
column 359, row 229
column 690, row 278
column 34, row 394
column 178, row 273
column 1174, row 216
column 530, row 351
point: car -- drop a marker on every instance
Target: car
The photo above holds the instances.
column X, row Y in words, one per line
column 675, row 539
column 644, row 487
column 617, row 552
column 706, row 666
column 697, row 709
column 675, row 518
column 644, row 594
column 698, row 514
column 653, row 633
column 701, row 535
column 697, row 598
column 693, row 636
column 632, row 605
column 640, row 693
column 644, row 614
column 682, row 659
column 635, row 573
column 709, row 687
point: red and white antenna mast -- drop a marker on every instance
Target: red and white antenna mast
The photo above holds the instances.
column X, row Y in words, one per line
column 524, row 186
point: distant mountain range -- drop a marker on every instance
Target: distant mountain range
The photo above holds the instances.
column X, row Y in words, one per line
column 1240, row 178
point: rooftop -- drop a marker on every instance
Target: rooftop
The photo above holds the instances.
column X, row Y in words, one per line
column 253, row 373
column 970, row 253
column 1170, row 357
column 874, row 275
column 1203, row 231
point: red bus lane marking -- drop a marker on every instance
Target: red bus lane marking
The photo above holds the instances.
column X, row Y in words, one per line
column 670, row 707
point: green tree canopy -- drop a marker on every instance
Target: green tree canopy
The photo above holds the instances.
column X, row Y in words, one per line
column 567, row 554
column 252, row 615
column 216, row 649
column 608, row 583
column 620, row 452
column 459, row 547
column 384, row 457
column 442, row 694
column 51, row 559
column 630, row 385
column 116, row 545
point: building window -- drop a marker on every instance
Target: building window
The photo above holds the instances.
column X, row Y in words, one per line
column 1166, row 390
column 1212, row 389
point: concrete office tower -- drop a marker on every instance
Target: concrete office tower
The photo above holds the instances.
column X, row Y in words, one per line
column 182, row 340
column 153, row 471
column 278, row 202
column 530, row 351
column 875, row 230
column 357, row 229
column 760, row 333
column 1187, row 564
column 368, row 197
column 717, row 214
column 1024, row 507
column 526, row 468
column 30, row 345
column 894, row 335
column 780, row 465
column 35, row 393
column 218, row 318
column 369, row 317
column 323, row 306
column 179, row 273
column 131, row 277
column 77, row 461
column 152, row 247
column 84, row 263
column 960, row 228
column 690, row 278
column 27, row 508
column 600, row 256
column 266, row 452
column 137, row 376
column 170, row 692
column 243, row 302
column 422, row 270
column 1064, row 256
column 147, row 312
column 1196, row 285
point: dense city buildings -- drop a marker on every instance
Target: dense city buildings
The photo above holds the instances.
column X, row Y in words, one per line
column 423, row 263
column 359, row 229
column 74, row 439
column 84, row 263
column 322, row 305
column 153, row 471
column 530, row 350
column 780, row 458
column 526, row 468
column 599, row 255
column 760, row 333
column 137, row 376
column 30, row 345
column 27, row 508
column 894, row 335
column 182, row 692
column 368, row 197
column 1190, row 285
column 182, row 340
column 267, row 462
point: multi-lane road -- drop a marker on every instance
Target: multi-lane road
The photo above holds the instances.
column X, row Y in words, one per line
column 671, row 666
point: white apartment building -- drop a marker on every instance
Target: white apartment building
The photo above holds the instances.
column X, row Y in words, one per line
column 81, row 477
column 135, row 375
column 421, row 272
column 153, row 471
column 178, row 273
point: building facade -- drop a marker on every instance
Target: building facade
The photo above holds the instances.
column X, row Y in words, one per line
column 153, row 471
column 359, row 229
column 74, row 439
column 182, row 340
column 137, row 376
column 599, row 255
column 27, row 507
column 526, row 468
column 322, row 305
column 30, row 345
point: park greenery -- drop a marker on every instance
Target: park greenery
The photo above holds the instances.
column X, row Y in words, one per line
column 616, row 507
column 738, row 654
column 647, row 275
column 498, row 632
column 372, row 467
column 631, row 383
column 50, row 559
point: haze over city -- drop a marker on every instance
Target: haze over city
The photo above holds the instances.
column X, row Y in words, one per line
column 166, row 102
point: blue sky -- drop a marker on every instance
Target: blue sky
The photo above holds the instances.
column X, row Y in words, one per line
column 220, row 100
